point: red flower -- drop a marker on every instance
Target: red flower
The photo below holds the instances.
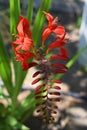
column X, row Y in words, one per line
column 23, row 40
column 23, row 43
column 52, row 28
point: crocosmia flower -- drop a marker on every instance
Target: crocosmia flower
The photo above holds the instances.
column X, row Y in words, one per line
column 48, row 63
column 23, row 43
column 52, row 28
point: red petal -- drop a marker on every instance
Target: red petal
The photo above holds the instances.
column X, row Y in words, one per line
column 48, row 16
column 46, row 33
column 20, row 26
column 56, row 44
column 50, row 27
column 25, row 65
column 64, row 52
column 27, row 44
column 23, row 58
column 23, row 27
column 59, row 30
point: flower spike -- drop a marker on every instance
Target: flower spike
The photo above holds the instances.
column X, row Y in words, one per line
column 47, row 64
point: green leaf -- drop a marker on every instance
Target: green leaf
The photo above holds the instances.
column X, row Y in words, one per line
column 14, row 15
column 2, row 110
column 14, row 124
column 26, row 107
column 30, row 11
column 14, row 18
column 3, row 126
column 39, row 21
column 5, row 68
column 19, row 77
column 1, row 93
column 18, row 73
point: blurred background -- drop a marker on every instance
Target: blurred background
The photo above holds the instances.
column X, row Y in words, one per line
column 73, row 106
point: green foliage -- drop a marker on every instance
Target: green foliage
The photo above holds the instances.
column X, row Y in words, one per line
column 5, row 68
column 14, row 124
column 78, row 22
column 39, row 21
column 19, row 74
column 30, row 11
column 14, row 15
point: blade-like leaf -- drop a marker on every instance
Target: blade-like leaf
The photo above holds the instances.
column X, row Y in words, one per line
column 28, row 104
column 5, row 68
column 14, row 18
column 14, row 124
column 39, row 21
column 14, row 15
column 30, row 11
column 18, row 73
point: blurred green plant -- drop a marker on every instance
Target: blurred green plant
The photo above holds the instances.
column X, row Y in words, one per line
column 13, row 114
column 78, row 22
